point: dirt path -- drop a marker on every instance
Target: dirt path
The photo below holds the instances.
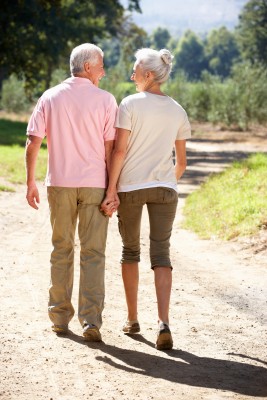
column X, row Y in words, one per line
column 218, row 310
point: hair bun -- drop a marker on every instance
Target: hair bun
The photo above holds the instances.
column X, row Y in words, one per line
column 166, row 56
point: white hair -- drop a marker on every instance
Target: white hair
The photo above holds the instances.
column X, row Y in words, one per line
column 158, row 62
column 86, row 52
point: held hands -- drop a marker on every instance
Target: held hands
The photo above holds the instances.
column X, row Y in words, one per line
column 110, row 204
column 32, row 196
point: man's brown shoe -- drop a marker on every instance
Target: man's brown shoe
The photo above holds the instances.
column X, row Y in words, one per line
column 91, row 333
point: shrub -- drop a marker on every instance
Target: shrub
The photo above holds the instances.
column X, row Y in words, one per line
column 13, row 95
column 177, row 88
column 236, row 102
column 199, row 104
column 58, row 76
column 224, row 104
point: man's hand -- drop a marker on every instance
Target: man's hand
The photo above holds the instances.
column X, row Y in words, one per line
column 33, row 144
column 32, row 196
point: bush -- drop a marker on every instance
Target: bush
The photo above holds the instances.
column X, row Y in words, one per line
column 58, row 76
column 124, row 89
column 177, row 88
column 236, row 102
column 241, row 99
column 224, row 104
column 113, row 84
column 199, row 104
column 251, row 85
column 13, row 95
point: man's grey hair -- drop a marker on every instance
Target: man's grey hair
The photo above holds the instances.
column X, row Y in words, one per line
column 86, row 52
column 158, row 62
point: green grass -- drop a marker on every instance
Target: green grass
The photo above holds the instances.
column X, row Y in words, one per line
column 12, row 132
column 232, row 203
column 4, row 188
column 12, row 150
column 12, row 164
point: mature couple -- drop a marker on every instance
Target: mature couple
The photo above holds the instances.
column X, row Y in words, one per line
column 101, row 159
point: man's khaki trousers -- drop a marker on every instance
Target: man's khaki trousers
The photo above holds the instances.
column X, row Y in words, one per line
column 67, row 206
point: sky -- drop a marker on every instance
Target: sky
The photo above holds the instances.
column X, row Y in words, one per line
column 178, row 15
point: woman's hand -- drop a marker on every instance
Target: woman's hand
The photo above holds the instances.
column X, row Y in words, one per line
column 110, row 204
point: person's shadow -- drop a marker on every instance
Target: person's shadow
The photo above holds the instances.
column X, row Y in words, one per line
column 186, row 368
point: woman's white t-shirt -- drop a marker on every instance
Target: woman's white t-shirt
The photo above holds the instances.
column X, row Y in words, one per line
column 155, row 122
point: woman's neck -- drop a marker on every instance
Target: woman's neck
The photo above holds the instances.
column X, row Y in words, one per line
column 154, row 88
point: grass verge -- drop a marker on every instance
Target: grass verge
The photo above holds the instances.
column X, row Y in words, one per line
column 12, row 132
column 232, row 203
column 12, row 150
column 4, row 188
column 12, row 164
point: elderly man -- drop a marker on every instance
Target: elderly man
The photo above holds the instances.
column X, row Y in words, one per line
column 78, row 120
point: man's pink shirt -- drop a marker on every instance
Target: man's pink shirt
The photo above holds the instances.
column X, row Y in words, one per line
column 78, row 118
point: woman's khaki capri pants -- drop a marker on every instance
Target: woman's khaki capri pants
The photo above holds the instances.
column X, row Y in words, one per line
column 161, row 204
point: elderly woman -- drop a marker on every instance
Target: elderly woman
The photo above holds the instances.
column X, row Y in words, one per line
column 150, row 125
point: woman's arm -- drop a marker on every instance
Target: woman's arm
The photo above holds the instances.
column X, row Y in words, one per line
column 117, row 160
column 180, row 165
column 109, row 146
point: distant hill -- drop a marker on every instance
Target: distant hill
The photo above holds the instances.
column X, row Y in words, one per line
column 179, row 15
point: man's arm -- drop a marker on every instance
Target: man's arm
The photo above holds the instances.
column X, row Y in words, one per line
column 33, row 145
column 180, row 165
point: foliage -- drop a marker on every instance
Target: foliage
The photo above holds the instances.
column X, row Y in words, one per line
column 252, row 31
column 230, row 204
column 193, row 96
column 133, row 38
column 40, row 33
column 133, row 5
column 241, row 99
column 124, row 89
column 58, row 76
column 221, row 51
column 13, row 95
column 177, row 88
column 112, row 50
column 211, row 79
column 160, row 38
column 235, row 102
column 113, row 84
column 189, row 55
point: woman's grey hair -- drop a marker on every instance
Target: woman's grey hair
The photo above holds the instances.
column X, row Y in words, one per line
column 86, row 52
column 158, row 62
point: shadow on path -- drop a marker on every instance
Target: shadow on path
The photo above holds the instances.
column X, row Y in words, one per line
column 186, row 368
column 202, row 163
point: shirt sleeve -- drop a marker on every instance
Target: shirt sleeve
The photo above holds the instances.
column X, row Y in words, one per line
column 184, row 131
column 36, row 125
column 124, row 119
column 110, row 131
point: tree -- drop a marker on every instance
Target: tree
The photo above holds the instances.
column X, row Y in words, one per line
column 132, row 38
column 160, row 38
column 112, row 50
column 252, row 30
column 221, row 51
column 40, row 33
column 189, row 55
